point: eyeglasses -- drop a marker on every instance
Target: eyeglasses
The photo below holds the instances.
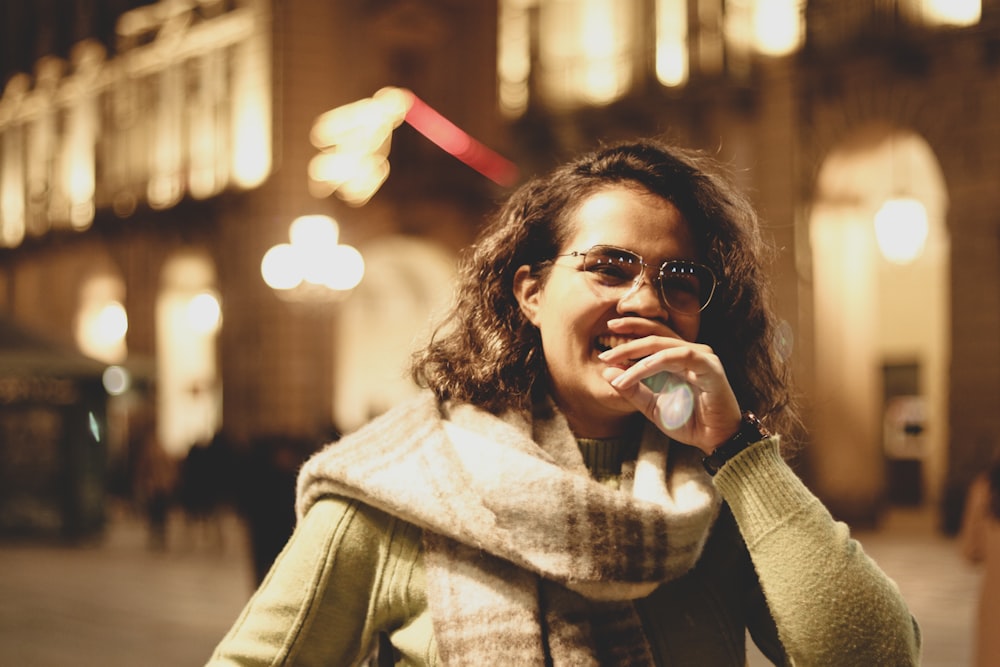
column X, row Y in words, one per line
column 685, row 287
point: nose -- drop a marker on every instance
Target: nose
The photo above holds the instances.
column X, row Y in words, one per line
column 642, row 298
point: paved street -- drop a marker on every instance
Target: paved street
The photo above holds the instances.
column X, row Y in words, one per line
column 116, row 603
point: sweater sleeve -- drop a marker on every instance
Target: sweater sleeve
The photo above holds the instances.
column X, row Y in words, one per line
column 328, row 594
column 831, row 603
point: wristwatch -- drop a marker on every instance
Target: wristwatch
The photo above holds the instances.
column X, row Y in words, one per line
column 750, row 431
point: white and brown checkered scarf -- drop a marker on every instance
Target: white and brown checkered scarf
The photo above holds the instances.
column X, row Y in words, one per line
column 529, row 560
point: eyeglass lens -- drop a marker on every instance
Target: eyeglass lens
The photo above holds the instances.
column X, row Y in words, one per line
column 684, row 286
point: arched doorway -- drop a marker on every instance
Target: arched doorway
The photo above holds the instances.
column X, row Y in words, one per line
column 881, row 338
column 188, row 393
column 408, row 281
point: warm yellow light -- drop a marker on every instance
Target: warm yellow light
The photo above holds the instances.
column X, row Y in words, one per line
column 314, row 230
column 12, row 190
column 602, row 83
column 111, row 323
column 102, row 322
column 354, row 176
column 954, row 12
column 603, row 40
column 354, row 140
column 101, row 331
column 252, row 147
column 348, row 268
column 372, row 173
column 81, row 184
column 777, row 26
column 513, row 57
column 314, row 256
column 188, row 386
column 365, row 125
column 314, row 239
column 204, row 314
column 671, row 42
column 203, row 173
column 672, row 64
column 251, row 108
column 513, row 97
column 333, row 168
column 280, row 267
column 901, row 229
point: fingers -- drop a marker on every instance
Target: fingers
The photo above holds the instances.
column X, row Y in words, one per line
column 641, row 396
column 679, row 386
column 691, row 362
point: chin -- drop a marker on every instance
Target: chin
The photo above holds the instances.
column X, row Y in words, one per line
column 612, row 404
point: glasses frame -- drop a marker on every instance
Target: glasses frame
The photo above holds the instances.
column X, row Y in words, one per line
column 658, row 284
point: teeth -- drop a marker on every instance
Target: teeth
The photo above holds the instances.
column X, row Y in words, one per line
column 608, row 342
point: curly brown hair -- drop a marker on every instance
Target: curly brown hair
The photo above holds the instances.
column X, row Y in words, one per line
column 486, row 352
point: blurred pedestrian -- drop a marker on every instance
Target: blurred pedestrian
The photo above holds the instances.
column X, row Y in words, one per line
column 204, row 490
column 979, row 541
column 267, row 496
column 155, row 484
column 584, row 480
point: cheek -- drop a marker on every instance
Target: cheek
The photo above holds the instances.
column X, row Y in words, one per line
column 692, row 330
column 570, row 329
column 689, row 328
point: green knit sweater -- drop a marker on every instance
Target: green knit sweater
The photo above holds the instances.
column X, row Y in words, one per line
column 775, row 564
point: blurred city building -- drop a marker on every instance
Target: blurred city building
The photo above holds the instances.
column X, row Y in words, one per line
column 52, row 401
column 170, row 173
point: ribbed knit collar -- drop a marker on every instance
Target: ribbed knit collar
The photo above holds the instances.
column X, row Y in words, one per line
column 604, row 457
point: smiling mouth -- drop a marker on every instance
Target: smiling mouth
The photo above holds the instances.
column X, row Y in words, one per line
column 608, row 341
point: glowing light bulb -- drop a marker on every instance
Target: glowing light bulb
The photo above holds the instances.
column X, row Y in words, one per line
column 901, row 229
column 348, row 268
column 204, row 313
column 280, row 267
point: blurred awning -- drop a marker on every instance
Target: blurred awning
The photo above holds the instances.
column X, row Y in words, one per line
column 27, row 352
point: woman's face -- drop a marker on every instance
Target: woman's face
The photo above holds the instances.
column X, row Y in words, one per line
column 572, row 315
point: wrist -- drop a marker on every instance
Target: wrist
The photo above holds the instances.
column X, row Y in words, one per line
column 750, row 430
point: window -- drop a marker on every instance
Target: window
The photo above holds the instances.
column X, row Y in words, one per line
column 944, row 12
column 672, row 60
column 573, row 53
column 586, row 51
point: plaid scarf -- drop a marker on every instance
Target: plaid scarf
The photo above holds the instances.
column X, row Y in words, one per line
column 529, row 561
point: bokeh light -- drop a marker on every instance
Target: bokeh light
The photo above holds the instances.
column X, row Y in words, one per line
column 279, row 267
column 674, row 400
column 314, row 256
column 111, row 323
column 784, row 340
column 204, row 313
column 901, row 229
column 116, row 380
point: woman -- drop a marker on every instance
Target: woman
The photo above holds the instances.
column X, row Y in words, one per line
column 539, row 504
column 979, row 540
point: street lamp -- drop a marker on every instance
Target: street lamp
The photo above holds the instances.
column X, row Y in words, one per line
column 901, row 229
column 314, row 265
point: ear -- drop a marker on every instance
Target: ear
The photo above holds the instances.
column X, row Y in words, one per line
column 527, row 291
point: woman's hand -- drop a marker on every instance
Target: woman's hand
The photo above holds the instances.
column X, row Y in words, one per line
column 679, row 386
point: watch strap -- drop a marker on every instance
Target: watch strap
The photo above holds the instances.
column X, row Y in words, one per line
column 750, row 431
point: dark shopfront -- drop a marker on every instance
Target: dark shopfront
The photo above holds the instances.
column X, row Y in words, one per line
column 52, row 438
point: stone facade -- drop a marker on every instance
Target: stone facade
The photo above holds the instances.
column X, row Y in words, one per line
column 776, row 125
